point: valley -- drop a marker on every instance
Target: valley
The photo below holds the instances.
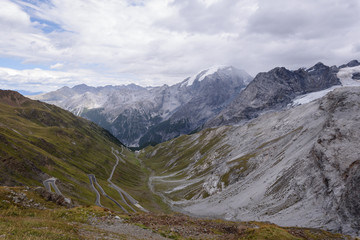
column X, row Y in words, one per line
column 284, row 154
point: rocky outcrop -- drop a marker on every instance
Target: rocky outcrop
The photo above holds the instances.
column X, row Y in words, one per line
column 53, row 197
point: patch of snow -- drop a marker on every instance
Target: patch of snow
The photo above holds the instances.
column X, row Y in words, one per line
column 201, row 75
column 306, row 98
column 210, row 71
column 345, row 76
column 310, row 70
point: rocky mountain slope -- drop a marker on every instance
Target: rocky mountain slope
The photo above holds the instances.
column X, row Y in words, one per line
column 40, row 142
column 294, row 167
column 274, row 90
column 140, row 116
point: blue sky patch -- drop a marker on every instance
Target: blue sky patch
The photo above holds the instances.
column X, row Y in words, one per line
column 16, row 63
column 136, row 3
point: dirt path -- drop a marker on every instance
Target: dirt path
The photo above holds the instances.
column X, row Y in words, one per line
column 112, row 228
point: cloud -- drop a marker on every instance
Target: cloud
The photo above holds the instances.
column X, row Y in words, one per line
column 48, row 80
column 208, row 17
column 304, row 19
column 57, row 66
column 12, row 18
column 154, row 42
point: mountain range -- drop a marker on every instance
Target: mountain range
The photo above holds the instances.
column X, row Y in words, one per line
column 283, row 148
column 139, row 116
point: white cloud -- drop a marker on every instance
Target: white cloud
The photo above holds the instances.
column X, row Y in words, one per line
column 57, row 66
column 163, row 41
column 12, row 18
column 48, row 80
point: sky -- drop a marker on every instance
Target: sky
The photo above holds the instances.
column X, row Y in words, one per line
column 47, row 44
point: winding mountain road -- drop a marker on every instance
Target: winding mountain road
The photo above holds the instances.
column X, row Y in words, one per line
column 92, row 180
column 151, row 185
column 121, row 192
column 51, row 182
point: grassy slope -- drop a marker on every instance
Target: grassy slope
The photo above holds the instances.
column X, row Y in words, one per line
column 38, row 141
column 20, row 222
column 17, row 221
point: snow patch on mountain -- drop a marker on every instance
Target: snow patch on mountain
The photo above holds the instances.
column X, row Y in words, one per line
column 201, row 75
column 345, row 75
column 306, row 98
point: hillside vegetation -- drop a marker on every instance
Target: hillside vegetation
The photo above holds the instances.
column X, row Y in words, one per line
column 24, row 214
column 39, row 141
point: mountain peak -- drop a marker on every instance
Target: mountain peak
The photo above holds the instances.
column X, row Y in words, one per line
column 317, row 66
column 82, row 88
column 202, row 74
column 352, row 63
column 220, row 69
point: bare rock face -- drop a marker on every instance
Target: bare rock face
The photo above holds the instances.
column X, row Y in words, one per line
column 337, row 158
column 294, row 167
column 350, row 203
column 356, row 76
column 273, row 90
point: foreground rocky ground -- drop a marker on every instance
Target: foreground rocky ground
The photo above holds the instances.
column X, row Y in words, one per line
column 31, row 213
